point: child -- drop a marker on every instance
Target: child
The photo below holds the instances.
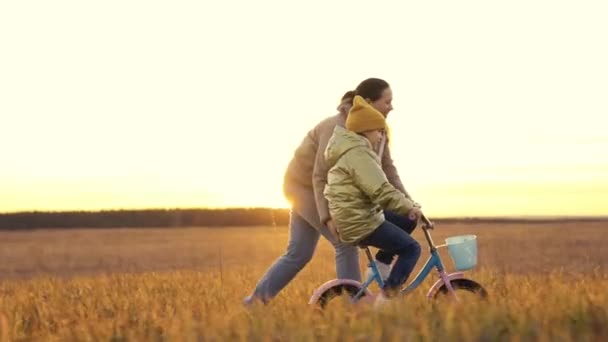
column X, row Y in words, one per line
column 358, row 192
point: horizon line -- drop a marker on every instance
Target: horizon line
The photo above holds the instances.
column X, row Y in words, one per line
column 468, row 217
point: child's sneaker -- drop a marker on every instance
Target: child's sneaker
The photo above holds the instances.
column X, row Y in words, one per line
column 381, row 301
column 384, row 269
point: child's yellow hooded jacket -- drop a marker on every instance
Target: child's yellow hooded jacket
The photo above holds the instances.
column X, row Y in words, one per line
column 357, row 188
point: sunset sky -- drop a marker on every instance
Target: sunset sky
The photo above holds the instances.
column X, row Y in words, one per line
column 500, row 107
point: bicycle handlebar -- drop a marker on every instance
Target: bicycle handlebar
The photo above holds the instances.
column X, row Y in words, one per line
column 427, row 223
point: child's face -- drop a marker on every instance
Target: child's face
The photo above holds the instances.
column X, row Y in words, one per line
column 374, row 136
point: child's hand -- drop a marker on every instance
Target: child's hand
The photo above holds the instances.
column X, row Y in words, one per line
column 414, row 214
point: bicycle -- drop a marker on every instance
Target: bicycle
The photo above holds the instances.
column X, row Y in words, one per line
column 462, row 249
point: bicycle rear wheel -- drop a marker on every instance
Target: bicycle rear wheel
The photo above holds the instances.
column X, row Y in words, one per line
column 346, row 292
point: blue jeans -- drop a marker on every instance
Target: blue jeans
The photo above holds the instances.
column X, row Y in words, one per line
column 303, row 239
column 401, row 221
column 395, row 241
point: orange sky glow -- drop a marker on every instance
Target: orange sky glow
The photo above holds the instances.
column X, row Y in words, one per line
column 500, row 108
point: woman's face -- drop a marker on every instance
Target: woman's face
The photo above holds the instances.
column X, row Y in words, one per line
column 384, row 103
column 374, row 137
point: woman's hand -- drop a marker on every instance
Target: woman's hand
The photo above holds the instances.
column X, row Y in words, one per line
column 333, row 230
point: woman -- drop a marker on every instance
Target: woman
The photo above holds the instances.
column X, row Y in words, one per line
column 304, row 182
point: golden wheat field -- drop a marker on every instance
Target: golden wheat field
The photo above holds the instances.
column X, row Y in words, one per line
column 546, row 282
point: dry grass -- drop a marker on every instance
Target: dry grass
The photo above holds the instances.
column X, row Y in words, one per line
column 546, row 282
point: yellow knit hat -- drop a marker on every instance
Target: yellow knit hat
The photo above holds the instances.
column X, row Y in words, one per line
column 363, row 117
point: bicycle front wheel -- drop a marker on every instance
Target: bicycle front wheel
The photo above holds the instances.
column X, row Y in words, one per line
column 465, row 289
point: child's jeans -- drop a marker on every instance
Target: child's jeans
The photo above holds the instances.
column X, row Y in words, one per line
column 401, row 221
column 395, row 241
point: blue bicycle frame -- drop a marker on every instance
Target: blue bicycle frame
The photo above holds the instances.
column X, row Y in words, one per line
column 434, row 261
